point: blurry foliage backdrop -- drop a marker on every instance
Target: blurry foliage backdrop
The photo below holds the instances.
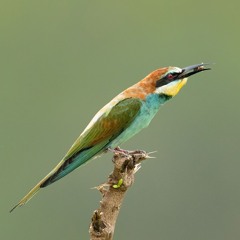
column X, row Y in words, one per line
column 60, row 61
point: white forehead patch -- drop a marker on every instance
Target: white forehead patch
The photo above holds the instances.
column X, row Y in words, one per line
column 173, row 70
column 176, row 69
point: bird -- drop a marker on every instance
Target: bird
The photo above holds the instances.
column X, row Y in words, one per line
column 119, row 120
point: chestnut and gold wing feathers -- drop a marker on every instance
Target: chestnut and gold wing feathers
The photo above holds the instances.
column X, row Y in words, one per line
column 92, row 141
column 97, row 137
column 108, row 126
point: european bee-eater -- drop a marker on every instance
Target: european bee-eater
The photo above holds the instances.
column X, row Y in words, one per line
column 124, row 116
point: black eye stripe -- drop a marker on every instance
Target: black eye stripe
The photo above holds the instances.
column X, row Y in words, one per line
column 162, row 82
column 166, row 79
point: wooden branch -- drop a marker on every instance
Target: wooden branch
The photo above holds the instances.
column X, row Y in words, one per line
column 126, row 164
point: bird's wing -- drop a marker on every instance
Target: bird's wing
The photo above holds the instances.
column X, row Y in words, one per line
column 95, row 138
column 108, row 126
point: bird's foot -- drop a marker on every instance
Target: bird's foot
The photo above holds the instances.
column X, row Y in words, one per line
column 123, row 151
column 135, row 154
column 117, row 150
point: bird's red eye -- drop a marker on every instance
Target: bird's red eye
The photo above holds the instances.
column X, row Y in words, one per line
column 170, row 76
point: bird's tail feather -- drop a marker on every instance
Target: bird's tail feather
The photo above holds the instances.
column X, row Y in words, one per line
column 35, row 189
column 63, row 168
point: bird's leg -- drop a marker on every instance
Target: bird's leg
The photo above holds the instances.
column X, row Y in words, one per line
column 123, row 151
column 119, row 150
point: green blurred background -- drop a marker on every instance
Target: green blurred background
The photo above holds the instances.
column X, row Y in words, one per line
column 63, row 60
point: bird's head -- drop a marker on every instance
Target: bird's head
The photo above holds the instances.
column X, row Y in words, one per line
column 172, row 79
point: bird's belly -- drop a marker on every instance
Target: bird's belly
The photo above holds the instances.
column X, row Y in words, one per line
column 148, row 111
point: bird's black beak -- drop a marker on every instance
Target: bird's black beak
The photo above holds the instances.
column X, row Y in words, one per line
column 191, row 70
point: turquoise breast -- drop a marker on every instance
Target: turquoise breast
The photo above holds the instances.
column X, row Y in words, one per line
column 148, row 110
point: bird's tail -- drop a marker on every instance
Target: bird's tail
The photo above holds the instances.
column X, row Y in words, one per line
column 64, row 167
column 35, row 189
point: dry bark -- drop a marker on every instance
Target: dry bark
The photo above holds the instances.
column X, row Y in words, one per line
column 126, row 164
